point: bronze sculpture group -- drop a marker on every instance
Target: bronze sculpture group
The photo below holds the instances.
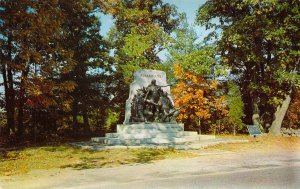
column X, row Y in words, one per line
column 152, row 104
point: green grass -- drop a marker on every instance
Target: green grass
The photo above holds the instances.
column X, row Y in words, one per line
column 65, row 156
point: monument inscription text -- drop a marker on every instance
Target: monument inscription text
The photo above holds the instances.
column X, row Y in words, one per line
column 152, row 75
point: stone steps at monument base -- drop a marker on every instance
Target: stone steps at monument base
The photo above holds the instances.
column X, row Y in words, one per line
column 150, row 133
column 147, row 131
column 139, row 127
column 147, row 134
column 156, row 140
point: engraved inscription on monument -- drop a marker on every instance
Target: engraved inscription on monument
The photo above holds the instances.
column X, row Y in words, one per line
column 152, row 75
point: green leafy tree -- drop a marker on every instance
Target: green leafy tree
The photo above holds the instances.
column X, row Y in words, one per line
column 260, row 42
column 185, row 50
column 141, row 30
column 183, row 43
column 184, row 40
column 196, row 91
column 235, row 107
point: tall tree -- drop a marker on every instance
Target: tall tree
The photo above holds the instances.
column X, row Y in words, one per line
column 90, row 53
column 184, row 40
column 196, row 90
column 183, row 43
column 142, row 30
column 260, row 41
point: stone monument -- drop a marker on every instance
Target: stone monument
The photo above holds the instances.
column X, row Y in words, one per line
column 150, row 115
column 143, row 81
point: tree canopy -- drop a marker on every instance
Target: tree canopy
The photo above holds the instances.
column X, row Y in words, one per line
column 259, row 40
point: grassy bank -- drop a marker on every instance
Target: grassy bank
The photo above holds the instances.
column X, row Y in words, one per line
column 260, row 144
column 64, row 156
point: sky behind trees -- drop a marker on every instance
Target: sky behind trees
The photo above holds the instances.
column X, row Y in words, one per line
column 190, row 7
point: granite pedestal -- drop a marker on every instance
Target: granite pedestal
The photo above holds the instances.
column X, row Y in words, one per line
column 150, row 133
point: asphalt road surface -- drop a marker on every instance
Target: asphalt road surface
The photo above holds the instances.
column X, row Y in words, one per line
column 282, row 177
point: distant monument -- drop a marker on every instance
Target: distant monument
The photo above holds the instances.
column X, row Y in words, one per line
column 150, row 115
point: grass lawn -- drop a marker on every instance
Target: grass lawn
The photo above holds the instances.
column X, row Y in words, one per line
column 260, row 144
column 65, row 156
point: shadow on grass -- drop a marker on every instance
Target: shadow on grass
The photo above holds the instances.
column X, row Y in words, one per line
column 68, row 150
column 136, row 156
column 87, row 163
column 148, row 155
column 55, row 148
column 83, row 165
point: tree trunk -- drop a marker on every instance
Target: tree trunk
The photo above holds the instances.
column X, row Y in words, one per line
column 234, row 129
column 11, row 98
column 199, row 123
column 279, row 115
column 7, row 101
column 21, row 104
column 75, row 113
column 9, row 90
column 86, row 119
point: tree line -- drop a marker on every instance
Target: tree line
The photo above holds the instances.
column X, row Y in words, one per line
column 62, row 79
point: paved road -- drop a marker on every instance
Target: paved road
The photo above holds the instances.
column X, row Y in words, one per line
column 211, row 169
column 268, row 178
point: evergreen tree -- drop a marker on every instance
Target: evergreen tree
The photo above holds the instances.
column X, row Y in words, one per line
column 90, row 54
column 235, row 107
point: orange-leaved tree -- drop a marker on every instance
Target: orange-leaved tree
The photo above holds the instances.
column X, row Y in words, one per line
column 197, row 100
column 293, row 111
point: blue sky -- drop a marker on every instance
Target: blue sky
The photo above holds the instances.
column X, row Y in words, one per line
column 190, row 7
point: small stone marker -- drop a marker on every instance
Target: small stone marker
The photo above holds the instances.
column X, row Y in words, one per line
column 254, row 130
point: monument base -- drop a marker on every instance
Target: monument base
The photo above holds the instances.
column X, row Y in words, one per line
column 150, row 133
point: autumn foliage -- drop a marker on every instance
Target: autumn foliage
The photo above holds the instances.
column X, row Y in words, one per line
column 197, row 98
column 293, row 112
